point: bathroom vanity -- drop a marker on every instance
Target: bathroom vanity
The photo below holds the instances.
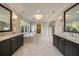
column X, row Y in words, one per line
column 10, row 43
column 67, row 46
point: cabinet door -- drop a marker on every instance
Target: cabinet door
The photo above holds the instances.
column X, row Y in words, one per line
column 69, row 48
column 20, row 40
column 5, row 48
column 55, row 41
column 61, row 45
column 13, row 44
column 76, row 49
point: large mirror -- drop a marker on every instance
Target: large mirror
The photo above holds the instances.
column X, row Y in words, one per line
column 71, row 19
column 5, row 19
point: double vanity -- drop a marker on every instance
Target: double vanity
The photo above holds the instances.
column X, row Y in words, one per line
column 67, row 46
column 10, row 43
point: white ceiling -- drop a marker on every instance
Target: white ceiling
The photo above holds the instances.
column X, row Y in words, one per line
column 27, row 10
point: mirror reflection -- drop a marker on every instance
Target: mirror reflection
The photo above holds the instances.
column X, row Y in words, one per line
column 72, row 19
column 4, row 19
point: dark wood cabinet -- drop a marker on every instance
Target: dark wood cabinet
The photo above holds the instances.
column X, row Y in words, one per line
column 55, row 41
column 20, row 40
column 5, row 48
column 69, row 48
column 65, row 46
column 9, row 46
column 13, row 44
column 61, row 45
column 76, row 49
column 58, row 42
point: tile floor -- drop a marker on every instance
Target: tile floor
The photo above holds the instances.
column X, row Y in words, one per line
column 38, row 45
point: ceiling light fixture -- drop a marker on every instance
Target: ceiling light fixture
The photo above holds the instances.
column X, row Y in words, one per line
column 38, row 16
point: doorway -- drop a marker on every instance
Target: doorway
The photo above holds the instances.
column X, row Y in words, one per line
column 38, row 28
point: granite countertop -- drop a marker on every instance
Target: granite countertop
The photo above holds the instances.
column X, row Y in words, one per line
column 73, row 39
column 8, row 36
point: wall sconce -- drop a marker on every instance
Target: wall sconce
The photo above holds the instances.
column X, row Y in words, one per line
column 61, row 18
column 14, row 16
column 14, row 23
column 14, row 29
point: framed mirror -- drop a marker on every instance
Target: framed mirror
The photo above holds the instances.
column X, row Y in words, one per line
column 71, row 19
column 5, row 19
